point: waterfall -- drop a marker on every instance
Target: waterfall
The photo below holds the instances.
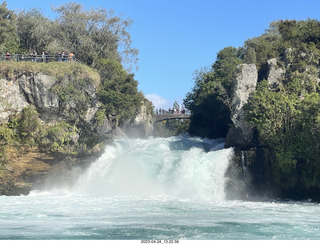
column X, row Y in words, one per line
column 244, row 165
column 176, row 167
column 246, row 173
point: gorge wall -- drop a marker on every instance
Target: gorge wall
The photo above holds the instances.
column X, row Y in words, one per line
column 49, row 123
column 241, row 134
column 276, row 166
column 250, row 175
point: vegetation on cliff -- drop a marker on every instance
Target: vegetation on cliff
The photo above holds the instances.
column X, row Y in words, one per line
column 118, row 90
column 284, row 113
column 90, row 34
column 90, row 98
column 210, row 99
column 97, row 37
column 10, row 70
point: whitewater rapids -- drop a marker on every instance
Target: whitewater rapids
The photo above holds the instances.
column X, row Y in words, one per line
column 153, row 189
column 176, row 167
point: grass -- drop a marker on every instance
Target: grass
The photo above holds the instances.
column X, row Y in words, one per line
column 11, row 69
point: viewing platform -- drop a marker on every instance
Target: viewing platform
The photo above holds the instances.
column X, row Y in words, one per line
column 39, row 58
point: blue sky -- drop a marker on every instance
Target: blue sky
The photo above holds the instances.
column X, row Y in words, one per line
column 177, row 37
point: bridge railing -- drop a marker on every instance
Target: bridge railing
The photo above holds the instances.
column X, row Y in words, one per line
column 38, row 58
column 171, row 111
column 161, row 117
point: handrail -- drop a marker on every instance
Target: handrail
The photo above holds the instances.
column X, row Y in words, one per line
column 38, row 58
column 161, row 117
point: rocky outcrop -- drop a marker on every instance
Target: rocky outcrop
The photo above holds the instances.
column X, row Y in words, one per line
column 46, row 94
column 69, row 106
column 275, row 73
column 53, row 99
column 241, row 134
column 142, row 124
column 60, row 99
column 37, row 90
column 11, row 99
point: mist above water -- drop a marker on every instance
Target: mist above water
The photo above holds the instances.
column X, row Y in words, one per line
column 153, row 189
column 175, row 167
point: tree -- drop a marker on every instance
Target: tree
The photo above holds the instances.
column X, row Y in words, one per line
column 91, row 34
column 209, row 101
column 285, row 120
column 118, row 90
column 8, row 27
column 37, row 32
column 95, row 34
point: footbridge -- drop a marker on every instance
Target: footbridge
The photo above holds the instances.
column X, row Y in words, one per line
column 161, row 117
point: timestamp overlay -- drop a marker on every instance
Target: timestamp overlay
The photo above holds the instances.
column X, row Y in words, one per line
column 159, row 241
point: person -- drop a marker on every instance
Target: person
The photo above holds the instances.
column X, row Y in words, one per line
column 43, row 57
column 34, row 55
column 46, row 53
column 7, row 55
column 64, row 56
column 70, row 58
column 59, row 56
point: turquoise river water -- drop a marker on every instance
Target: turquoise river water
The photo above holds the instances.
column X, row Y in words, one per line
column 153, row 189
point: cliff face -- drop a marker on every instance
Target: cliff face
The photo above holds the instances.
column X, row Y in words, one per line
column 249, row 175
column 69, row 131
column 46, row 94
column 241, row 134
column 56, row 100
column 278, row 165
column 142, row 124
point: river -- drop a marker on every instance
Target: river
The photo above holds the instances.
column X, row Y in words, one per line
column 154, row 189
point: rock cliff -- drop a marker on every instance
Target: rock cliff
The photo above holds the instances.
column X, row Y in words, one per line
column 248, row 175
column 46, row 93
column 240, row 135
column 275, row 74
column 69, row 133
column 142, row 124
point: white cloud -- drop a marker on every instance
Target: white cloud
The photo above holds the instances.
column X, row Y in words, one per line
column 158, row 101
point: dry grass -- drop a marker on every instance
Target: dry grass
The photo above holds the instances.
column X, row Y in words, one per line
column 57, row 69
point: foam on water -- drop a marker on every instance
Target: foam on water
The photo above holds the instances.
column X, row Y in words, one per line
column 109, row 218
column 173, row 167
column 154, row 189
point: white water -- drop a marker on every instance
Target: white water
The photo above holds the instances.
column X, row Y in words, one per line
column 174, row 168
column 154, row 189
